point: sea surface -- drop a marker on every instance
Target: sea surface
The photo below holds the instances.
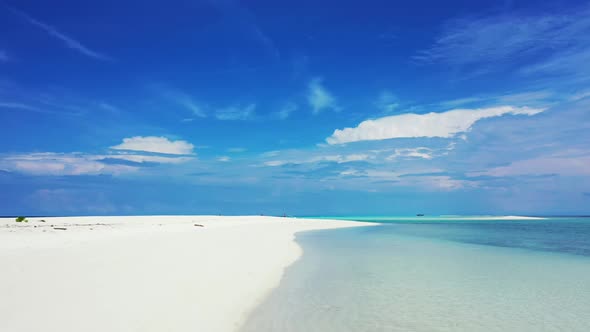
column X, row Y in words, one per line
column 436, row 274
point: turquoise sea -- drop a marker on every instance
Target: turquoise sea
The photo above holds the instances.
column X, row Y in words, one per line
column 436, row 274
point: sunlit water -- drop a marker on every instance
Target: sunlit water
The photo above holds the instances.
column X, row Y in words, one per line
column 445, row 275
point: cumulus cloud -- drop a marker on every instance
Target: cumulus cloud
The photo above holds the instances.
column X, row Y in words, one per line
column 155, row 144
column 445, row 124
column 319, row 98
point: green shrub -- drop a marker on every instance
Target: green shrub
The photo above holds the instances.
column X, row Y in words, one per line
column 21, row 219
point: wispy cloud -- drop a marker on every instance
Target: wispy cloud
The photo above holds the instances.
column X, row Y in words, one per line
column 499, row 37
column 387, row 102
column 67, row 40
column 535, row 98
column 580, row 95
column 319, row 97
column 76, row 163
column 553, row 43
column 285, row 111
column 420, row 152
column 184, row 100
column 569, row 62
column 62, row 164
column 4, row 56
column 236, row 112
column 445, row 124
column 108, row 107
column 20, row 106
column 460, row 102
column 338, row 158
column 29, row 108
column 562, row 165
column 240, row 18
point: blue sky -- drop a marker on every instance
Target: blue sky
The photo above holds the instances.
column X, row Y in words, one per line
column 297, row 107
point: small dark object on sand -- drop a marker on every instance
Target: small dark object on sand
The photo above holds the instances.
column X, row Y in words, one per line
column 199, row 225
column 60, row 228
column 42, row 220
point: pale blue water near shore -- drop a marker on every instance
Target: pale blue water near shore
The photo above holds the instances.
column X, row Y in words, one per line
column 441, row 274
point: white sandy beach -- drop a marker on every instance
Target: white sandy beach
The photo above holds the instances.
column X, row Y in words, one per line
column 152, row 273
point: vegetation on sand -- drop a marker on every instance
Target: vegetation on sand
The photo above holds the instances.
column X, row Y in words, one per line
column 21, row 219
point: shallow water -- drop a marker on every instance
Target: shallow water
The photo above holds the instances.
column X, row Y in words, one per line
column 467, row 275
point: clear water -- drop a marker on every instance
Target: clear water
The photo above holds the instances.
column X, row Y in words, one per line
column 436, row 275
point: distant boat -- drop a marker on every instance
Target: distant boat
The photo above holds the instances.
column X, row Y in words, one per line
column 420, row 215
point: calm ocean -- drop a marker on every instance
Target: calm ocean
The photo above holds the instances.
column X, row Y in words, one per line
column 442, row 274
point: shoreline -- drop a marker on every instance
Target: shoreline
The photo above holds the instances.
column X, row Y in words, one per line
column 427, row 217
column 148, row 273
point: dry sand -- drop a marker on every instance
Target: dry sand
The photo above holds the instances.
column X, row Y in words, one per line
column 149, row 273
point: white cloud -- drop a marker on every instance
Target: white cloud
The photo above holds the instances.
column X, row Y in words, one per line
column 274, row 163
column 223, row 158
column 155, row 144
column 233, row 113
column 343, row 158
column 139, row 158
column 75, row 163
column 420, row 152
column 340, row 159
column 62, row 164
column 319, row 98
column 445, row 124
column 68, row 41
